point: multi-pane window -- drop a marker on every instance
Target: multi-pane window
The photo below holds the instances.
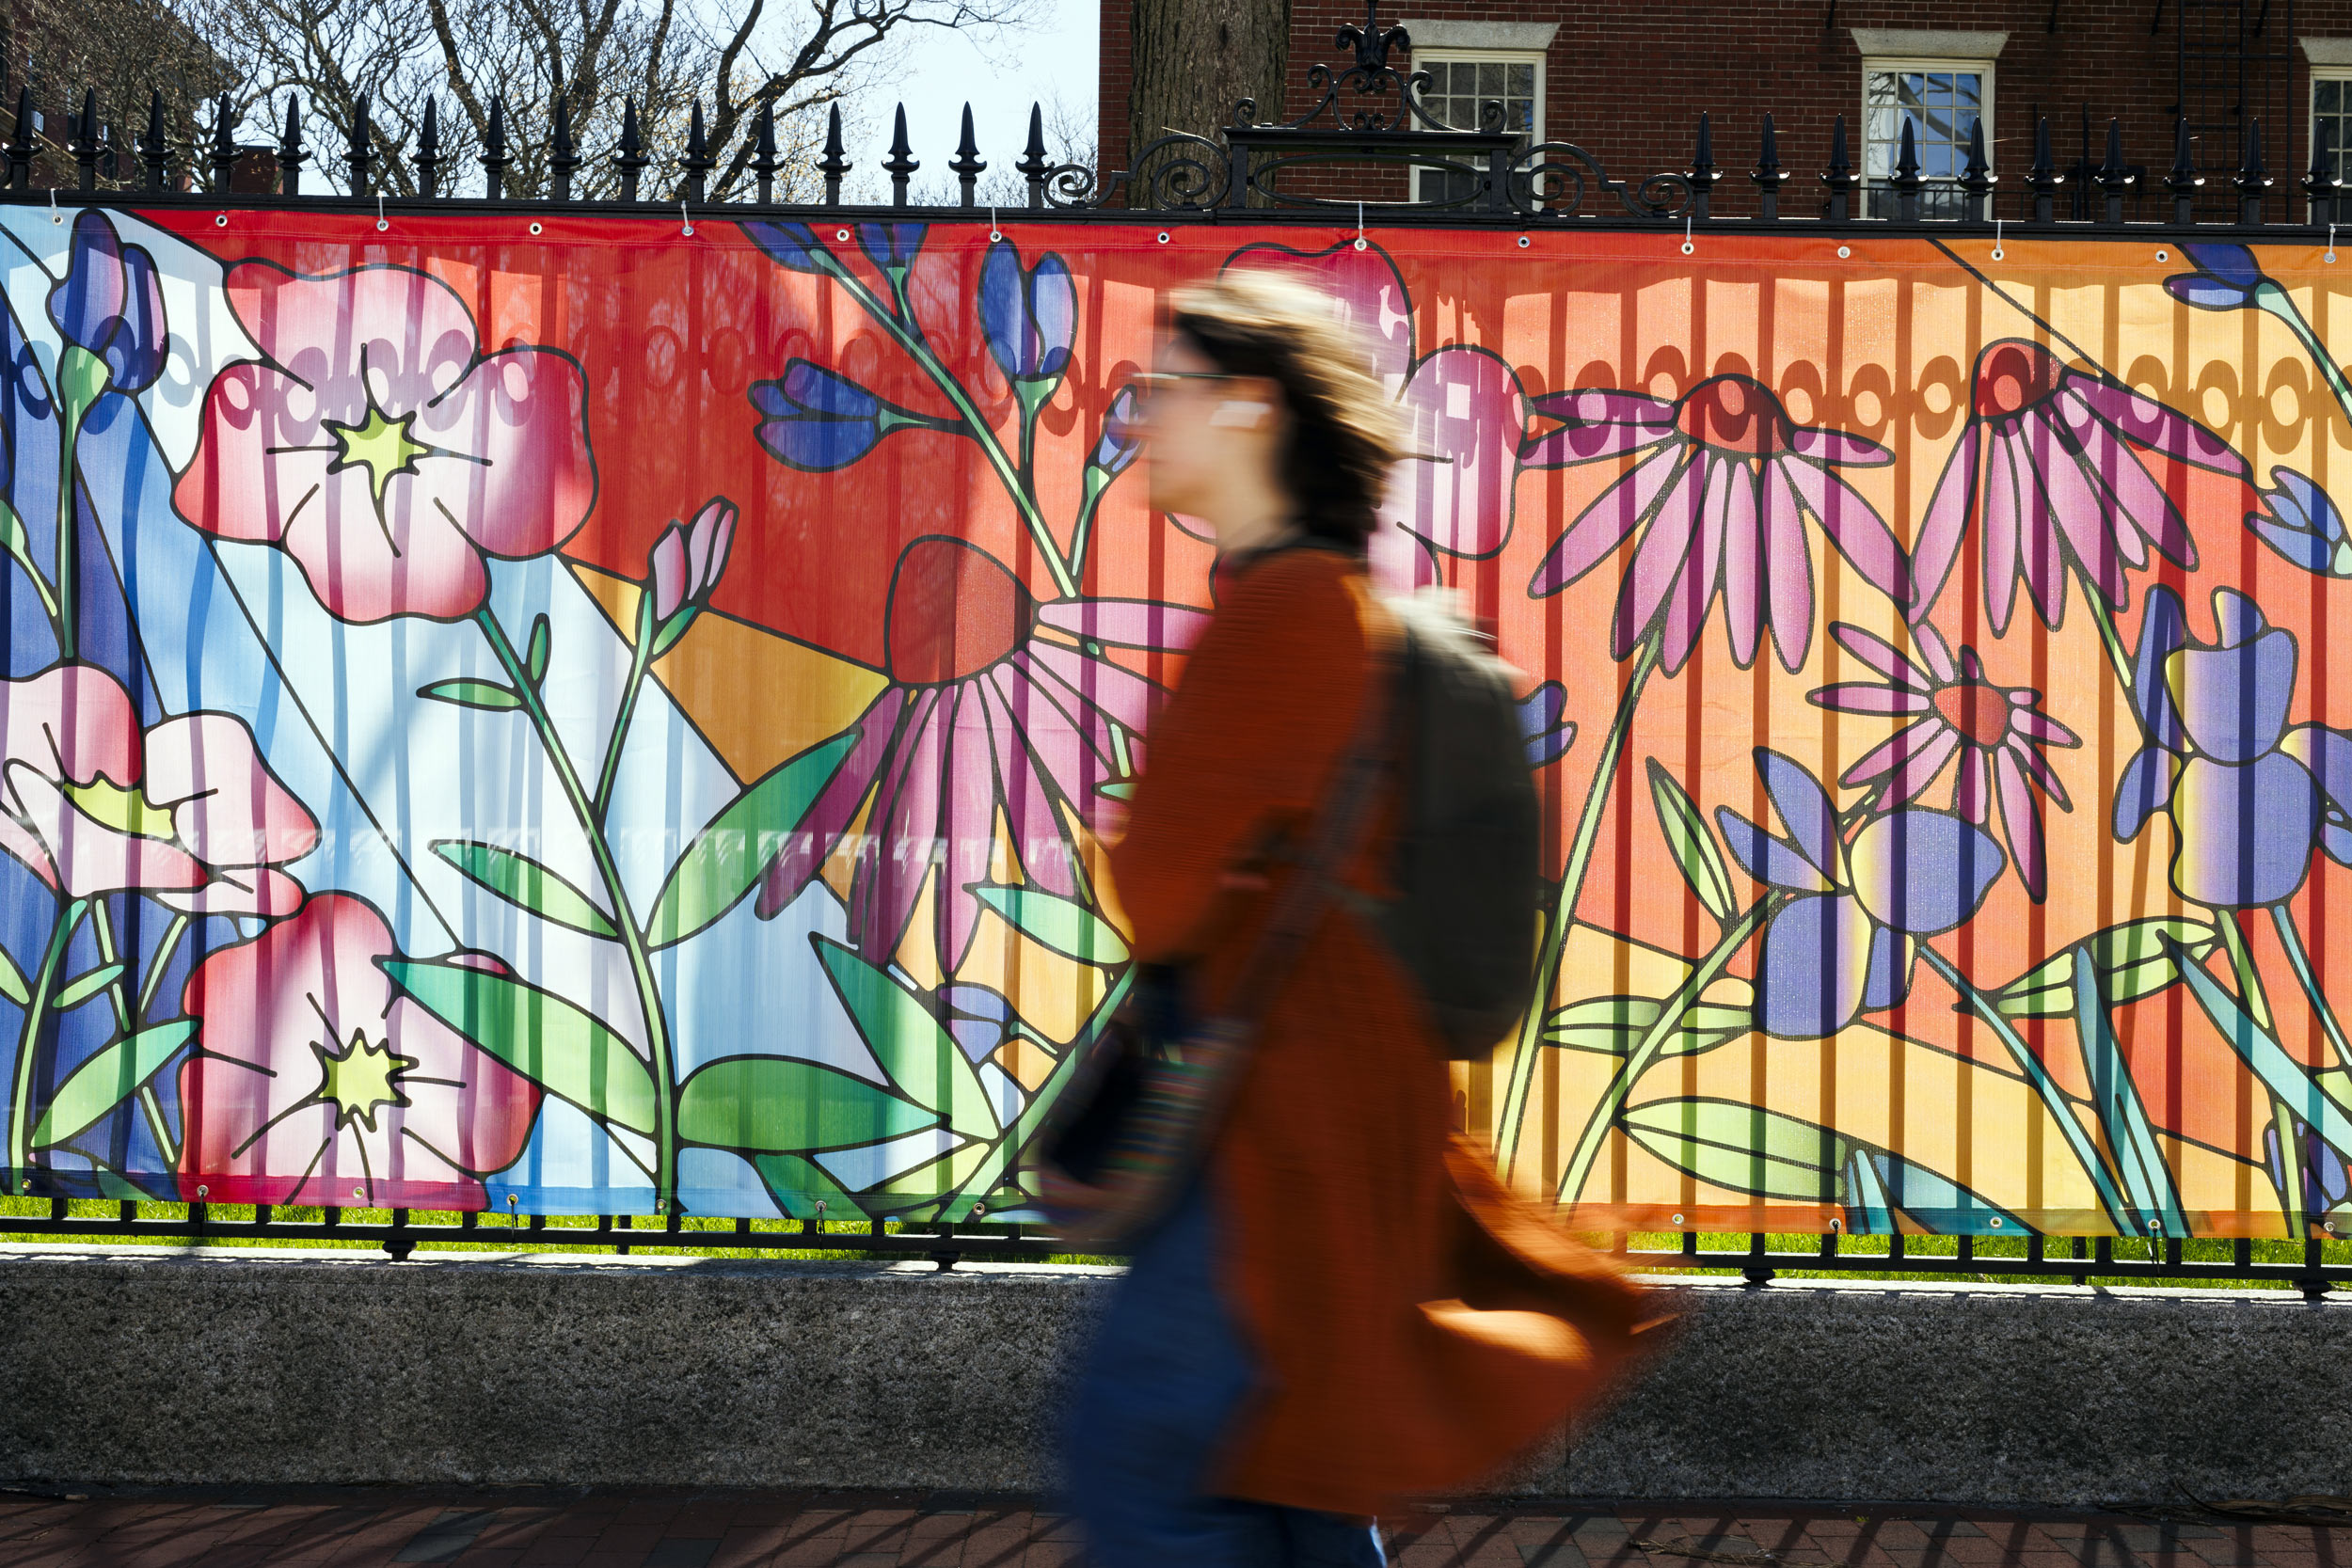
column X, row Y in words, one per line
column 2331, row 121
column 1942, row 100
column 1459, row 87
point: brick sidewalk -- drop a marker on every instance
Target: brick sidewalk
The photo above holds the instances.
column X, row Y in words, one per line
column 47, row 1528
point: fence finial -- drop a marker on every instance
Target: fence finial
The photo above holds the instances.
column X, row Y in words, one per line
column 2043, row 178
column 2114, row 178
column 1977, row 177
column 835, row 163
column 563, row 157
column 292, row 155
column 1907, row 182
column 1033, row 165
column 901, row 164
column 156, row 147
column 630, row 156
column 360, row 146
column 764, row 143
column 84, row 142
column 1702, row 172
column 2321, row 185
column 2183, row 181
column 224, row 144
column 967, row 163
column 1766, row 176
column 697, row 161
column 494, row 154
column 1839, row 177
column 428, row 155
column 2251, row 182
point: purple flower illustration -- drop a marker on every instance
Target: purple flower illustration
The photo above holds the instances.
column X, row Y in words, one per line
column 790, row 244
column 1721, row 499
column 1541, row 720
column 2327, row 1182
column 816, row 419
column 2300, row 523
column 111, row 304
column 2247, row 796
column 687, row 562
column 1027, row 315
column 2227, row 277
column 1845, row 941
column 1122, row 440
column 2048, row 469
column 1998, row 733
column 995, row 706
column 891, row 246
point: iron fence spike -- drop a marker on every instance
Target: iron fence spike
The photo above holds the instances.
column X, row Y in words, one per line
column 428, row 155
column 155, row 148
column 764, row 144
column 901, row 163
column 835, row 163
column 1033, row 165
column 563, row 157
column 967, row 164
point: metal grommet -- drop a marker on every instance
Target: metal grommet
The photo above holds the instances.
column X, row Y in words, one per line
column 220, row 220
column 381, row 226
column 1363, row 243
column 841, row 234
column 1844, row 252
column 1688, row 248
column 2164, row 256
column 1997, row 253
column 1996, row 1222
column 1677, row 1219
column 534, row 229
column 359, row 1191
column 980, row 1211
column 1163, row 236
column 1836, row 1225
column 1525, row 241
column 203, row 1192
column 512, row 1200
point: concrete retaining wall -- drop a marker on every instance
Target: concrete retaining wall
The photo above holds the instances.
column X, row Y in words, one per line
column 126, row 1365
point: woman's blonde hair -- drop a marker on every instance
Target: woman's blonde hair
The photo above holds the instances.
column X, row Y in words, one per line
column 1343, row 429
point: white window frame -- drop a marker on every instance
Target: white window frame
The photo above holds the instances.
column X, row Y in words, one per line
column 2341, row 76
column 1459, row 55
column 1874, row 64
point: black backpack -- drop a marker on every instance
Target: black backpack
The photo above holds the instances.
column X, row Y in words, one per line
column 1465, row 871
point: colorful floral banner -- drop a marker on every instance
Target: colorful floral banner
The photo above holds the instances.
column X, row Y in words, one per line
column 579, row 716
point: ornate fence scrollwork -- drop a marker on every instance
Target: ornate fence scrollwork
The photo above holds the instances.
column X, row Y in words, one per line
column 1663, row 195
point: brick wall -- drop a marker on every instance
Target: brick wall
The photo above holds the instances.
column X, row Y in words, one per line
column 1626, row 82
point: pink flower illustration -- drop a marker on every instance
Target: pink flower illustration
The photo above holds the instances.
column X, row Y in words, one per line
column 186, row 811
column 1998, row 733
column 1719, row 497
column 2048, row 467
column 380, row 447
column 1464, row 411
column 315, row 1082
column 995, row 704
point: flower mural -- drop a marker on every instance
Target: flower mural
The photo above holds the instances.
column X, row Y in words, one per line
column 1949, row 711
column 2299, row 521
column 110, row 305
column 317, row 1083
column 379, row 446
column 1720, row 495
column 2048, row 471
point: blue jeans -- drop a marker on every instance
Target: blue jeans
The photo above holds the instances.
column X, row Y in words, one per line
column 1160, row 1389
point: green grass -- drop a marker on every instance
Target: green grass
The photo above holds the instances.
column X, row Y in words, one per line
column 1653, row 1251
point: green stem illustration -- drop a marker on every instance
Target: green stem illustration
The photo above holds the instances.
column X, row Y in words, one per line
column 1645, row 1054
column 1530, row 1044
column 2294, row 1166
column 81, row 378
column 2275, row 300
column 900, row 324
column 2282, row 919
column 2053, row 1098
column 161, row 962
column 640, row 661
column 28, row 1039
column 624, row 918
column 2252, row 994
column 118, row 994
column 20, row 549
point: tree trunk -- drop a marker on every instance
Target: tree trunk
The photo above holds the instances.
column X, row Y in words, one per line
column 1194, row 61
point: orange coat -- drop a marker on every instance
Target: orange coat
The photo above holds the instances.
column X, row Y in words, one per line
column 1413, row 1324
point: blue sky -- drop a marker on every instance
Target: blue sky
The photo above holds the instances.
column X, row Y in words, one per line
column 999, row 76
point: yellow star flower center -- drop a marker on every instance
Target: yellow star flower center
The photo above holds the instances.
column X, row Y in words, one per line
column 362, row 1077
column 379, row 444
column 126, row 810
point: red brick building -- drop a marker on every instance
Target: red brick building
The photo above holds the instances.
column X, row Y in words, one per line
column 1627, row 83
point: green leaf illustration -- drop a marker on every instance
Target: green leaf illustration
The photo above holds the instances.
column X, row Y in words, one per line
column 471, row 693
column 2280, row 1074
column 1068, row 927
column 84, row 986
column 784, row 1106
column 1744, row 1149
column 109, row 1079
column 799, row 1184
column 923, row 1059
column 525, row 883
column 2132, row 961
column 12, row 984
column 539, row 1034
column 1692, row 844
column 1878, row 1185
column 731, row 853
column 2131, row 1137
column 1612, row 1025
column 535, row 661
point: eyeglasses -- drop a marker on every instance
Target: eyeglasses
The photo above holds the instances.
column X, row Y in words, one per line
column 1150, row 385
